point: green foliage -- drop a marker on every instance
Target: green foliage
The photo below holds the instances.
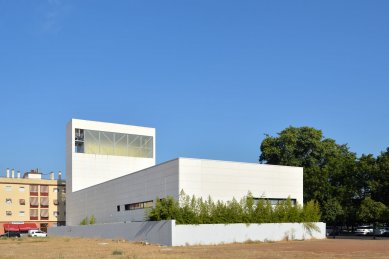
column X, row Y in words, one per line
column 371, row 211
column 333, row 175
column 192, row 210
column 84, row 221
column 331, row 210
column 311, row 212
column 165, row 209
column 92, row 220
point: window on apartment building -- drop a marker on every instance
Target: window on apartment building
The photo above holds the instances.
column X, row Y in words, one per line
column 44, row 214
column 21, row 189
column 21, row 213
column 8, row 188
column 55, row 190
column 8, row 213
column 8, row 201
column 34, row 202
column 55, row 214
column 138, row 205
column 34, row 190
column 118, row 208
column 55, row 202
column 33, row 214
column 44, row 202
column 22, row 201
column 44, row 190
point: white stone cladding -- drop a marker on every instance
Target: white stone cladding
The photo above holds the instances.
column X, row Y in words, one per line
column 222, row 180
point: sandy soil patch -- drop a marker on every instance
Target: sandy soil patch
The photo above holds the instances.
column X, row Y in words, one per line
column 62, row 247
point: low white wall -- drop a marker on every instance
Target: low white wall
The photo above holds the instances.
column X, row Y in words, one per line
column 212, row 234
column 170, row 234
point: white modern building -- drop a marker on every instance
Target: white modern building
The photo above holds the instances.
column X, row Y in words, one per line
column 97, row 151
column 116, row 180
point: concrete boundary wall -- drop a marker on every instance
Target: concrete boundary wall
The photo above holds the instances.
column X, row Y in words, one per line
column 170, row 234
column 158, row 232
column 213, row 234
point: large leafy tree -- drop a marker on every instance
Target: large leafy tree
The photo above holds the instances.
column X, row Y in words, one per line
column 380, row 183
column 371, row 211
column 346, row 187
column 327, row 165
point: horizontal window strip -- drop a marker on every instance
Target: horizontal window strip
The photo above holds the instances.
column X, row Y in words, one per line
column 139, row 205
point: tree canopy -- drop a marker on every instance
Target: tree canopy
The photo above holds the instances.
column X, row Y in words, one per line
column 333, row 175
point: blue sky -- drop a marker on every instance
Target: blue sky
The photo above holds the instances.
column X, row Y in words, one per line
column 211, row 76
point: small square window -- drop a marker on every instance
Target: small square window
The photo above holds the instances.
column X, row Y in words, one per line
column 55, row 190
column 21, row 189
column 21, row 213
column 55, row 213
column 8, row 201
column 22, row 201
column 8, row 188
column 8, row 213
column 55, row 202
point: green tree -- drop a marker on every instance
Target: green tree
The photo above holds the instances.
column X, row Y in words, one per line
column 381, row 183
column 196, row 211
column 311, row 212
column 371, row 211
column 331, row 211
column 328, row 167
column 248, row 205
column 84, row 221
column 263, row 212
column 92, row 220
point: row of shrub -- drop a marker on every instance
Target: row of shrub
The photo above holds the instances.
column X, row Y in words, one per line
column 86, row 220
column 192, row 210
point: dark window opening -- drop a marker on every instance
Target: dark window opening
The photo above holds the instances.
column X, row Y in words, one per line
column 79, row 141
column 118, row 208
column 138, row 205
column 275, row 201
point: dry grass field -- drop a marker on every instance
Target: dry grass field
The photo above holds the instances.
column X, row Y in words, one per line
column 62, row 247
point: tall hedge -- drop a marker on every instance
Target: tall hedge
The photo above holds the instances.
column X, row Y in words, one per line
column 192, row 210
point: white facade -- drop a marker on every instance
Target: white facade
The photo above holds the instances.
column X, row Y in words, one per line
column 97, row 165
column 222, row 180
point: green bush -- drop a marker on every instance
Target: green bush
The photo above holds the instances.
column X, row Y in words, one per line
column 84, row 221
column 92, row 220
column 192, row 210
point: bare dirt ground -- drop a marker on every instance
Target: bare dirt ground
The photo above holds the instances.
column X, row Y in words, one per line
column 62, row 247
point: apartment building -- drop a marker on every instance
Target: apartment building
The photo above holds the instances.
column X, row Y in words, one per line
column 31, row 201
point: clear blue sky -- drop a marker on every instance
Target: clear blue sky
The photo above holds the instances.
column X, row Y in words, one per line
column 211, row 76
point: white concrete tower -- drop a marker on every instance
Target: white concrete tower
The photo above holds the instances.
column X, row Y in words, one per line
column 97, row 152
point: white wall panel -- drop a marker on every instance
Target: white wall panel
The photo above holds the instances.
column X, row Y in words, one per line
column 223, row 180
column 101, row 200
